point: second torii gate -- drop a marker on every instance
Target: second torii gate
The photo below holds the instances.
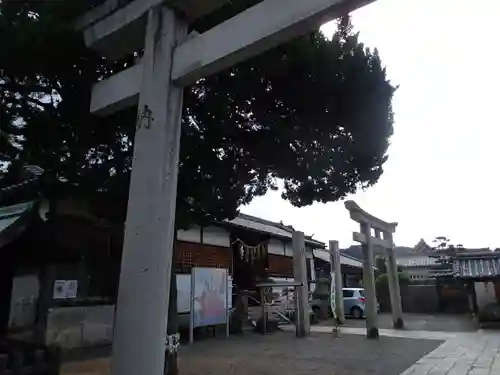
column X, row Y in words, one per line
column 383, row 237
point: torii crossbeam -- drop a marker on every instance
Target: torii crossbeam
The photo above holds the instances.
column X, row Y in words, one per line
column 171, row 60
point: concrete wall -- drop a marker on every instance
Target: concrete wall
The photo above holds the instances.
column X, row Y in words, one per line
column 414, row 299
column 211, row 236
column 485, row 294
column 420, row 299
column 283, row 247
column 74, row 327
column 23, row 302
column 190, row 235
column 418, row 273
column 216, row 236
column 277, row 247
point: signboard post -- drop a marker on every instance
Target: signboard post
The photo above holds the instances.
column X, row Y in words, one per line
column 229, row 303
column 191, row 310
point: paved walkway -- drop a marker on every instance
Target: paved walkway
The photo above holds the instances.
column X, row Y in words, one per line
column 462, row 353
column 420, row 322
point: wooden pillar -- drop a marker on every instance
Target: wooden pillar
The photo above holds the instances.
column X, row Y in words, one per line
column 45, row 301
column 300, row 274
column 394, row 289
column 142, row 307
column 369, row 284
column 336, row 274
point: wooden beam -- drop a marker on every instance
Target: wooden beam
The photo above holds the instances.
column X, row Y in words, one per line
column 252, row 32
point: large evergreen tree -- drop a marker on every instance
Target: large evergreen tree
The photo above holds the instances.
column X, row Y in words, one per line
column 314, row 113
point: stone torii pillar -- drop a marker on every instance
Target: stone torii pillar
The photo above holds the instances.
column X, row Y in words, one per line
column 171, row 61
column 302, row 292
column 382, row 237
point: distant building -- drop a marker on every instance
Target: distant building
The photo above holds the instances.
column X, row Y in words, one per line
column 421, row 263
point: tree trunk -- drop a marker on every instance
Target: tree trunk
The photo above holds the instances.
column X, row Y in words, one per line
column 172, row 347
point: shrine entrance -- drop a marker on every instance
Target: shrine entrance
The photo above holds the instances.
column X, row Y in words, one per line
column 250, row 260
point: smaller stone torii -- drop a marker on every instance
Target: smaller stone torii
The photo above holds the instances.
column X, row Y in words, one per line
column 383, row 237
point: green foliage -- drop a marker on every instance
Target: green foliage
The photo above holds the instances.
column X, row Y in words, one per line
column 382, row 281
column 314, row 113
column 380, row 264
column 445, row 250
column 382, row 267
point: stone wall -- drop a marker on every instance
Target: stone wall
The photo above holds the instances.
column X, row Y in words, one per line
column 414, row 299
column 485, row 294
column 420, row 299
column 74, row 327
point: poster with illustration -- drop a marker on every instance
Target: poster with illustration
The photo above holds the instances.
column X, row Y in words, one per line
column 210, row 300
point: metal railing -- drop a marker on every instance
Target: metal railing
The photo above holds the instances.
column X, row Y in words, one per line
column 281, row 315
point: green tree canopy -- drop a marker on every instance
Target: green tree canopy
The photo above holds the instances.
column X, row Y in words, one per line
column 315, row 113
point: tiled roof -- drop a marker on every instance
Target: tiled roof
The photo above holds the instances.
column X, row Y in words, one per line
column 344, row 259
column 265, row 226
column 11, row 218
column 422, row 247
column 356, row 252
column 477, row 267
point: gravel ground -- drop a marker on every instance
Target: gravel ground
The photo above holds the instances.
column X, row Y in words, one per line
column 420, row 322
column 282, row 353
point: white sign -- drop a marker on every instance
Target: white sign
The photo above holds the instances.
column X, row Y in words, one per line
column 65, row 289
column 332, row 296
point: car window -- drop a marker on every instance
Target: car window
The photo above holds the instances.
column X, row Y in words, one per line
column 348, row 293
column 362, row 292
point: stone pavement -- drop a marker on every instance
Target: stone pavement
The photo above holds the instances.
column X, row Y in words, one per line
column 462, row 353
column 465, row 354
column 282, row 353
column 419, row 322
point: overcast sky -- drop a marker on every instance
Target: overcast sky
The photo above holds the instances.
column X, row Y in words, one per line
column 442, row 176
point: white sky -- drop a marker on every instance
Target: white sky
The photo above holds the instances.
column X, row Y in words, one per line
column 442, row 176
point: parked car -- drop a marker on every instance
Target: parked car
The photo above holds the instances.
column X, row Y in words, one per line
column 355, row 302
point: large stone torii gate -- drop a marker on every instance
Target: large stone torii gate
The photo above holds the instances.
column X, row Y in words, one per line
column 172, row 59
column 382, row 236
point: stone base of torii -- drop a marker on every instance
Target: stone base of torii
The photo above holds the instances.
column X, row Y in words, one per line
column 382, row 236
